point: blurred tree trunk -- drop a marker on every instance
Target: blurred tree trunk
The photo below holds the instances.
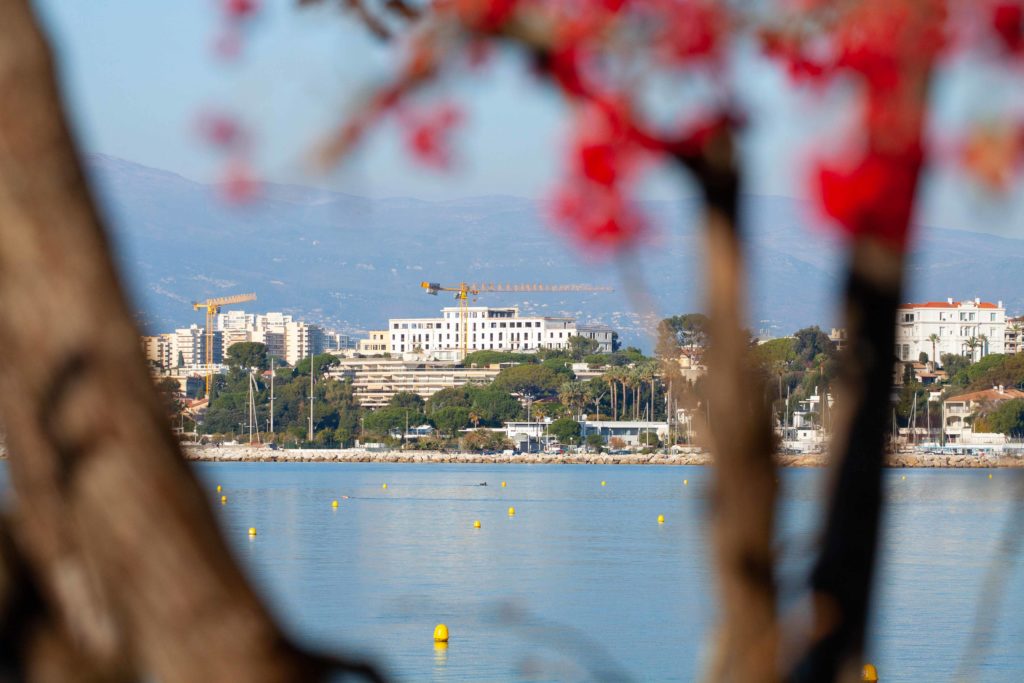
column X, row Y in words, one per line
column 110, row 529
column 744, row 490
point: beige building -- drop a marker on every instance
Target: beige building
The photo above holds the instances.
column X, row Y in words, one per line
column 377, row 343
column 1013, row 341
column 157, row 349
column 376, row 380
column 956, row 411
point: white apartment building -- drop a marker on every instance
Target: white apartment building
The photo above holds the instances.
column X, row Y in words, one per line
column 284, row 337
column 188, row 345
column 957, row 325
column 488, row 329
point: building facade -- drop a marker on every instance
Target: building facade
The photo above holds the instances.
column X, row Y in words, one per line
column 376, row 380
column 1013, row 339
column 376, row 343
column 973, row 329
column 284, row 337
column 957, row 412
column 488, row 329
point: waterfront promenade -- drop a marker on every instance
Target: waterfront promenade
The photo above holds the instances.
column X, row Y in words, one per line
column 694, row 456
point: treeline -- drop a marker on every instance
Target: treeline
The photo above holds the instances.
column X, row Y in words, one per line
column 533, row 385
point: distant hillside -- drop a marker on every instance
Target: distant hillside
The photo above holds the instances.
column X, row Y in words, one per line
column 352, row 262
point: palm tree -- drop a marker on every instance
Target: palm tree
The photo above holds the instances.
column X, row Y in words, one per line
column 972, row 344
column 648, row 373
column 934, row 339
column 610, row 377
column 475, row 419
column 572, row 396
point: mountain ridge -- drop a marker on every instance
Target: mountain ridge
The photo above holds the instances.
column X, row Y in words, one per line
column 351, row 262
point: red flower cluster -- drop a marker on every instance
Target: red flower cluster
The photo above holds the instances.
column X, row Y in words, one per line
column 873, row 197
column 691, row 29
column 592, row 204
column 427, row 133
column 1008, row 23
column 221, row 130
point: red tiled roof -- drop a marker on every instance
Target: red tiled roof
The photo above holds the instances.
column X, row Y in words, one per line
column 988, row 395
column 946, row 304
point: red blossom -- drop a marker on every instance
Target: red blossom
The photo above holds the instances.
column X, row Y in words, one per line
column 240, row 9
column 793, row 54
column 874, row 196
column 692, row 29
column 239, row 184
column 482, row 15
column 221, row 130
column 427, row 134
column 602, row 221
column 1008, row 23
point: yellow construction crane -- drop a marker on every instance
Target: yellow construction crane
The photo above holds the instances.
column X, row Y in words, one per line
column 464, row 290
column 212, row 307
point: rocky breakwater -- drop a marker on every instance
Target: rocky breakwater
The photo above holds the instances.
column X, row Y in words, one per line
column 691, row 456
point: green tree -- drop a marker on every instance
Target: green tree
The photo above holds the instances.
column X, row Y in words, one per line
column 595, row 442
column 407, row 399
column 492, row 406
column 537, row 380
column 1007, row 417
column 954, row 364
column 566, row 430
column 247, row 355
column 690, row 329
column 649, row 439
column 580, row 346
column 573, row 396
column 485, row 440
column 450, row 419
column 383, row 421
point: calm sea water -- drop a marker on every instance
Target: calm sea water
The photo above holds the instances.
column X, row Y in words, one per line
column 583, row 583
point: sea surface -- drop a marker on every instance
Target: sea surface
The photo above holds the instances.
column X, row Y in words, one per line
column 583, row 583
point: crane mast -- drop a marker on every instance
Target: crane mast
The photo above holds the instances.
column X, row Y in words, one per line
column 212, row 308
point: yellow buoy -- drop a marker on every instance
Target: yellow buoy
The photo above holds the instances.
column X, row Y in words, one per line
column 903, row 478
column 383, row 486
column 511, row 511
column 223, row 500
column 440, row 633
column 990, row 475
column 334, row 503
column 602, row 483
column 661, row 519
column 252, row 531
column 686, row 482
column 502, row 484
column 218, row 488
column 476, row 524
column 869, row 673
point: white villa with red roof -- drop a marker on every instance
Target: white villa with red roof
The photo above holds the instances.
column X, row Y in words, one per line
column 973, row 328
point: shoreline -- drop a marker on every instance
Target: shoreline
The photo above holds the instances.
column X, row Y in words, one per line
column 694, row 457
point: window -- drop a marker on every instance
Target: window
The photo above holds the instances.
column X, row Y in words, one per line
column 992, row 317
column 963, row 316
column 972, row 316
column 908, row 317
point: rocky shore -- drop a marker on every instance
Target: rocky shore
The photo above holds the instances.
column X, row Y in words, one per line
column 692, row 456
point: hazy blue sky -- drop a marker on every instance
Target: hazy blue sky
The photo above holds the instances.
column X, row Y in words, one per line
column 136, row 75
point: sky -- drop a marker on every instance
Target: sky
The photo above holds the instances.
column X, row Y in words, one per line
column 136, row 77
